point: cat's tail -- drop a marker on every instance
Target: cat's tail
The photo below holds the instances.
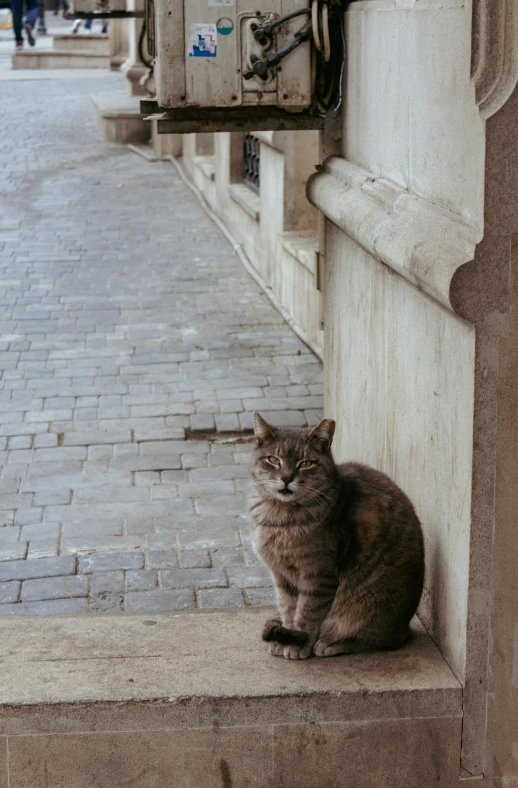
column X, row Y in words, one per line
column 273, row 630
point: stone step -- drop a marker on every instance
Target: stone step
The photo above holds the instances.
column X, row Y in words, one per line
column 195, row 699
column 120, row 120
column 82, row 43
column 56, row 59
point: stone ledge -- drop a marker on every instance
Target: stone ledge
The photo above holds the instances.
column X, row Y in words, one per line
column 120, row 120
column 418, row 239
column 94, row 43
column 137, row 672
column 303, row 246
column 247, row 199
column 57, row 59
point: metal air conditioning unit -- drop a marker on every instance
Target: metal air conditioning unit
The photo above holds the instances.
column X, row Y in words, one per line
column 237, row 64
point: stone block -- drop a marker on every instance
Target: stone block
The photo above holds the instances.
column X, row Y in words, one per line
column 59, row 59
column 261, row 597
column 141, row 580
column 13, row 552
column 43, row 567
column 106, row 602
column 151, row 601
column 120, row 119
column 412, row 753
column 205, row 758
column 220, row 598
column 193, row 578
column 162, row 559
column 9, row 592
column 107, row 582
column 108, row 562
column 195, row 559
column 47, row 607
column 42, row 548
column 250, row 576
column 54, row 588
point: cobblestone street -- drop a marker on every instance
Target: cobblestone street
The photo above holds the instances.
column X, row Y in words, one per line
column 133, row 350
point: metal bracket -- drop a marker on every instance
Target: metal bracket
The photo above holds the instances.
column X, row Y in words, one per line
column 187, row 120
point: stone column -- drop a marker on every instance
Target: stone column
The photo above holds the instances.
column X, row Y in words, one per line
column 118, row 37
column 421, row 319
column 133, row 68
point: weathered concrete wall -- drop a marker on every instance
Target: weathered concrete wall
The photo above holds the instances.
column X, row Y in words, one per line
column 399, row 381
column 409, row 195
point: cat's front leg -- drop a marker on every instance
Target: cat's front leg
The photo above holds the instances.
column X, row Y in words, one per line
column 287, row 596
column 315, row 598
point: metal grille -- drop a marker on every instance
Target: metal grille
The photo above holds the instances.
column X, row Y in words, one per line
column 251, row 161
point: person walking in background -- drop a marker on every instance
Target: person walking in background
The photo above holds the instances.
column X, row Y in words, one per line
column 100, row 5
column 27, row 25
column 57, row 3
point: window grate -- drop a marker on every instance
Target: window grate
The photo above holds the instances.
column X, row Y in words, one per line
column 251, row 161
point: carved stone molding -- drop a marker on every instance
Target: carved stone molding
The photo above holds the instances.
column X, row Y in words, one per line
column 494, row 63
column 422, row 241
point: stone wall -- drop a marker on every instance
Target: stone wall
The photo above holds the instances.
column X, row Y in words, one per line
column 420, row 317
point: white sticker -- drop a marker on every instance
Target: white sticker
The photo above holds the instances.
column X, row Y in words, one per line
column 226, row 3
column 203, row 41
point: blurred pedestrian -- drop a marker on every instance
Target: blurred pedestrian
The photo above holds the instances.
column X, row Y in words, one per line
column 57, row 3
column 28, row 24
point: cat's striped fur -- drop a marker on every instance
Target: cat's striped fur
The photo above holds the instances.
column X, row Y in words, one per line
column 343, row 543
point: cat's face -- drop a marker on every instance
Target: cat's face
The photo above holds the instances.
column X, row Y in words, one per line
column 292, row 464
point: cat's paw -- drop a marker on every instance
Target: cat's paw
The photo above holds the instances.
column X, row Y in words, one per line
column 296, row 652
column 276, row 649
column 323, row 648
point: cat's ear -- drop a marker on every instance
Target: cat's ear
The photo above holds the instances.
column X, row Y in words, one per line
column 322, row 436
column 263, row 431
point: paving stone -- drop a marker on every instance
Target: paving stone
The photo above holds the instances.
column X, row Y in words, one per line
column 40, row 531
column 54, row 588
column 9, row 592
column 110, row 561
column 105, row 602
column 47, row 607
column 193, row 578
column 158, row 601
column 52, row 497
column 9, row 534
column 42, row 548
column 230, row 504
column 13, row 552
column 220, row 598
column 202, row 422
column 195, row 559
column 141, row 580
column 218, row 473
column 234, row 556
column 115, row 353
column 261, row 597
column 43, row 567
column 250, row 577
column 107, row 582
column 162, row 559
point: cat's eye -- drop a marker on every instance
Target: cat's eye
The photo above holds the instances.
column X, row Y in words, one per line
column 274, row 460
column 305, row 464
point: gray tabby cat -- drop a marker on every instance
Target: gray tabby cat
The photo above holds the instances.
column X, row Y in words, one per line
column 343, row 543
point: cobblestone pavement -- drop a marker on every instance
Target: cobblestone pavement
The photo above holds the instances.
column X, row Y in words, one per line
column 129, row 335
